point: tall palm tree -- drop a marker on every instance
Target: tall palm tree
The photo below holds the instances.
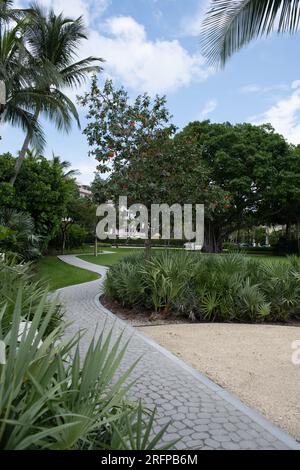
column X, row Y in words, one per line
column 8, row 13
column 53, row 41
column 26, row 85
column 64, row 166
column 231, row 24
column 22, row 95
column 15, row 71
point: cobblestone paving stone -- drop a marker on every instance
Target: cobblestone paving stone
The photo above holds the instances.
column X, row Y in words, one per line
column 202, row 415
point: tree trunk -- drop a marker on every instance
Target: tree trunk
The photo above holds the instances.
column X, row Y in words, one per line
column 298, row 237
column 287, row 230
column 147, row 246
column 212, row 239
column 96, row 247
column 64, row 241
column 23, row 151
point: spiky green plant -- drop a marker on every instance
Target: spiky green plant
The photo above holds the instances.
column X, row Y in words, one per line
column 12, row 277
column 165, row 277
column 52, row 398
column 230, row 287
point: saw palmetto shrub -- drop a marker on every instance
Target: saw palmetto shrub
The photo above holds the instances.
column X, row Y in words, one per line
column 229, row 287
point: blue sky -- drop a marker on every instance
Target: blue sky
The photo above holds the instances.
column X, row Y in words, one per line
column 153, row 45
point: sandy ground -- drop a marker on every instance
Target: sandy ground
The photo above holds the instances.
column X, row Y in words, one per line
column 252, row 361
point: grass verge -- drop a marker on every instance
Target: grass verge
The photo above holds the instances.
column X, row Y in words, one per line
column 59, row 274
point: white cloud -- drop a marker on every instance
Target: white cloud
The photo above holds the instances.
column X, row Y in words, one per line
column 142, row 64
column 209, row 108
column 254, row 88
column 250, row 88
column 284, row 115
column 86, row 170
column 90, row 9
column 156, row 66
column 295, row 84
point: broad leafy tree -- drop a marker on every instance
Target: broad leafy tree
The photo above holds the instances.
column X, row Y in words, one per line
column 129, row 140
column 41, row 190
column 247, row 167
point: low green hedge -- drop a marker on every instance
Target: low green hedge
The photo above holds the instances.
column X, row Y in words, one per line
column 229, row 287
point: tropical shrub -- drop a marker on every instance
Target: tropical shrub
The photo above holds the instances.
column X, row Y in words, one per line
column 51, row 398
column 230, row 287
column 14, row 276
column 17, row 234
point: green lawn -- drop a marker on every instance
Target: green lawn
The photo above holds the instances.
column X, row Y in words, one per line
column 109, row 260
column 119, row 253
column 59, row 274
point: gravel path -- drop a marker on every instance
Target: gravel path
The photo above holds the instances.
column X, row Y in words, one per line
column 252, row 361
column 203, row 415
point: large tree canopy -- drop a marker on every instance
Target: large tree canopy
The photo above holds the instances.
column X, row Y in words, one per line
column 134, row 143
column 41, row 190
column 254, row 167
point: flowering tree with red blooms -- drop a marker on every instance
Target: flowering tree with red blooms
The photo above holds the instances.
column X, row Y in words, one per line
column 127, row 139
column 130, row 141
column 133, row 141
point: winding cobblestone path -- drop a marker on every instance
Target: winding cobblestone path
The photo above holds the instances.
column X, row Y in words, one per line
column 202, row 414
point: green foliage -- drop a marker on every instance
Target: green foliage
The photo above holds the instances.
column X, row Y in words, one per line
column 41, row 190
column 51, row 398
column 230, row 25
column 165, row 277
column 129, row 140
column 76, row 236
column 37, row 63
column 12, row 278
column 254, row 172
column 229, row 287
column 127, row 285
column 100, row 190
column 17, row 235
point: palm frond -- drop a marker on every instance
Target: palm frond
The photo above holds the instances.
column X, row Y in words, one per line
column 17, row 116
column 231, row 24
column 75, row 74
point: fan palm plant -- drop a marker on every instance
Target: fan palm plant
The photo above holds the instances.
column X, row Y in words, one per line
column 53, row 41
column 231, row 24
column 21, row 238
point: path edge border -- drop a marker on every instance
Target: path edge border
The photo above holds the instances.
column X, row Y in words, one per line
column 281, row 435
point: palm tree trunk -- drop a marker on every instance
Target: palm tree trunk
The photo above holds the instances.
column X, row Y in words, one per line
column 23, row 151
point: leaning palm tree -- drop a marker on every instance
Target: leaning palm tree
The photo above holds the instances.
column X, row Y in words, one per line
column 231, row 24
column 53, row 41
column 15, row 72
column 24, row 85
